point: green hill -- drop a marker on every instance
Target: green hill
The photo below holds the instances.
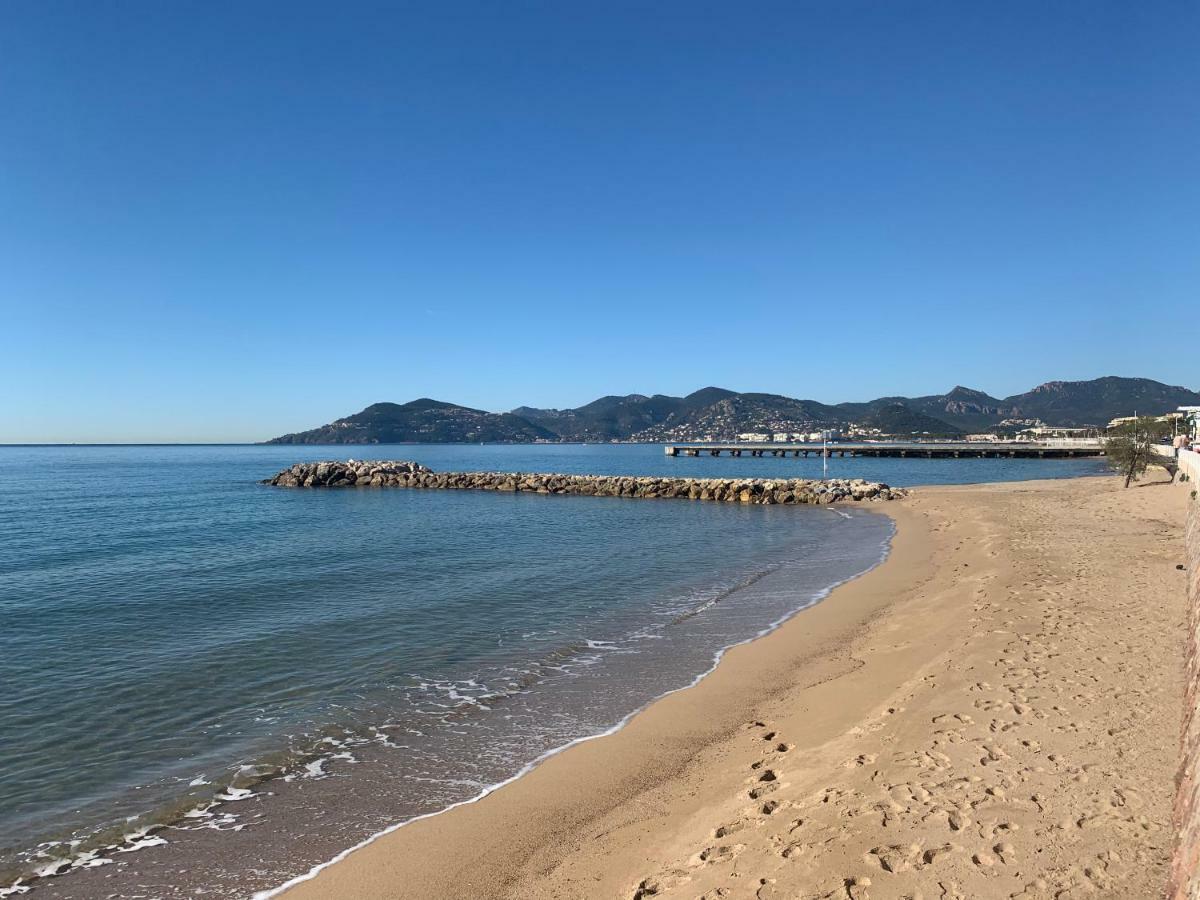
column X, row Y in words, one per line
column 421, row 420
column 721, row 414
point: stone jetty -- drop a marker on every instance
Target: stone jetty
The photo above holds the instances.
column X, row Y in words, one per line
column 330, row 473
column 334, row 473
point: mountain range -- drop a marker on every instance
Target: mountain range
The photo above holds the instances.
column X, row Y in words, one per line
column 717, row 414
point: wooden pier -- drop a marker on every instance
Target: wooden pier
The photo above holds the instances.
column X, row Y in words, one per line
column 930, row 450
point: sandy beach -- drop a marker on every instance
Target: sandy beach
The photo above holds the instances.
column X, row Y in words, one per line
column 993, row 712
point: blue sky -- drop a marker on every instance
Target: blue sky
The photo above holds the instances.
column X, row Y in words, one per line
column 225, row 221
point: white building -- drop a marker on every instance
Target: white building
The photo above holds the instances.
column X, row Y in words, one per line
column 1183, row 419
column 754, row 437
column 1189, row 424
column 1042, row 432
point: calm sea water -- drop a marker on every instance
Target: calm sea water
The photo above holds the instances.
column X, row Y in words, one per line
column 276, row 674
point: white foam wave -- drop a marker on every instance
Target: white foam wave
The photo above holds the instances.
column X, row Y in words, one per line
column 231, row 794
column 150, row 840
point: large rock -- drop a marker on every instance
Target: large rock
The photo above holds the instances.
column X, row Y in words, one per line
column 344, row 474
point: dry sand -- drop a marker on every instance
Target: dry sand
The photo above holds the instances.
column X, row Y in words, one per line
column 994, row 712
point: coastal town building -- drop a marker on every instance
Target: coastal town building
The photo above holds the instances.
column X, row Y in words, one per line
column 1043, row 432
column 1039, row 433
column 854, row 430
column 793, row 437
column 1179, row 419
column 1189, row 423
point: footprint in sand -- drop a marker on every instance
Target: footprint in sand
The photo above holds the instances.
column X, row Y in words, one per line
column 856, row 888
column 648, row 888
column 895, row 858
column 731, row 828
column 720, row 853
column 762, row 790
column 957, row 820
column 933, row 854
column 983, row 860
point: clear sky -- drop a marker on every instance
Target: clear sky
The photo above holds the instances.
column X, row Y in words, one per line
column 224, row 221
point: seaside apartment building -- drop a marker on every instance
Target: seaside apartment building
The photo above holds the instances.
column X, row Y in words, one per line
column 1189, row 421
column 1186, row 421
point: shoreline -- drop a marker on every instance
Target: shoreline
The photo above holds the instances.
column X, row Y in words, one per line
column 821, row 597
column 294, row 887
column 642, row 807
column 204, row 837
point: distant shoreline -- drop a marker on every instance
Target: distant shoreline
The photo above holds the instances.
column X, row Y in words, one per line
column 350, row 447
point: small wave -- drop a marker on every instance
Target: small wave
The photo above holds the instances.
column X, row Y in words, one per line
column 459, row 699
column 90, row 858
column 466, row 696
column 725, row 594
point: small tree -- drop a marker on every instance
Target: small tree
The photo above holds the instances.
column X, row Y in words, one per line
column 1129, row 449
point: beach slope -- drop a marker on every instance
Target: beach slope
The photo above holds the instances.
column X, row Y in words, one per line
column 993, row 712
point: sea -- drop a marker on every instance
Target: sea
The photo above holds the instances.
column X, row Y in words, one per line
column 209, row 686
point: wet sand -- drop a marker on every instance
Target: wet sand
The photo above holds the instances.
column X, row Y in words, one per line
column 993, row 712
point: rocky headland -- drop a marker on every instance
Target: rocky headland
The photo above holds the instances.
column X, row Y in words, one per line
column 402, row 473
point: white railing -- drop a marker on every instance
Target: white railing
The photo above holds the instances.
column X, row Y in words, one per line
column 1078, row 443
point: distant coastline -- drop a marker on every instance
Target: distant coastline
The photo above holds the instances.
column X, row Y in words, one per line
column 718, row 414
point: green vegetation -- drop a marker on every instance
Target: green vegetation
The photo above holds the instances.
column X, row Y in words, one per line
column 900, row 419
column 1130, row 449
column 421, row 420
column 722, row 415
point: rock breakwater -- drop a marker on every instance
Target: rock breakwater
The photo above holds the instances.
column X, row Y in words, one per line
column 334, row 473
column 330, row 473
